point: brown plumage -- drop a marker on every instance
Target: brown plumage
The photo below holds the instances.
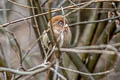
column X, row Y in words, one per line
column 62, row 34
column 61, row 30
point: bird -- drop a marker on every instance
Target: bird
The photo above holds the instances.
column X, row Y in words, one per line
column 62, row 34
column 61, row 31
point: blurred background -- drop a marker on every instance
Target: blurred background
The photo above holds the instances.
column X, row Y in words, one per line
column 95, row 45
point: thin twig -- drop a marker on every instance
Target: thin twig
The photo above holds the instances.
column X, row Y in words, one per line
column 19, row 48
column 87, row 74
column 44, row 3
column 18, row 4
column 107, row 0
column 26, row 72
column 85, row 5
column 96, row 21
column 15, row 21
column 87, row 51
column 77, row 32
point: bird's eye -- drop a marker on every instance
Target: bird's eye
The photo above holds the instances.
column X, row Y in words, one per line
column 61, row 23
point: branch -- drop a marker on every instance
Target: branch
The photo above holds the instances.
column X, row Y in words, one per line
column 26, row 72
column 26, row 18
column 87, row 51
column 96, row 21
column 107, row 0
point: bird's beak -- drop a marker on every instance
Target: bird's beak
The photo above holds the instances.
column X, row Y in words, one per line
column 66, row 27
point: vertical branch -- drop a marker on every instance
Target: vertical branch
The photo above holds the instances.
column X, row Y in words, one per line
column 3, row 63
column 37, row 26
column 7, row 56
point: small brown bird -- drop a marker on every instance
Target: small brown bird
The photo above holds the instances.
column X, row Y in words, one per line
column 61, row 30
column 62, row 34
